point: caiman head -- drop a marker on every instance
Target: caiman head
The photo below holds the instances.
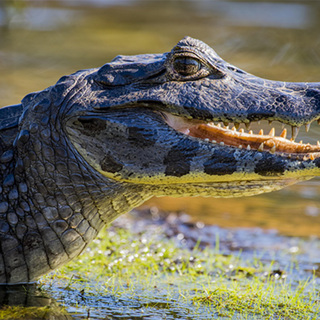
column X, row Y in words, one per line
column 153, row 120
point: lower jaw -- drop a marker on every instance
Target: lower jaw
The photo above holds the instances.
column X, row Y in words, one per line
column 235, row 138
column 256, row 142
column 226, row 189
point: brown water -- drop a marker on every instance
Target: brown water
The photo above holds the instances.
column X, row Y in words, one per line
column 42, row 41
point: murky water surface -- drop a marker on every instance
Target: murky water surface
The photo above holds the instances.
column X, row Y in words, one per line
column 42, row 40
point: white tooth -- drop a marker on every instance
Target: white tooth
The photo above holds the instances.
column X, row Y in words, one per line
column 222, row 143
column 240, row 146
column 284, row 134
column 261, row 147
column 273, row 149
column 301, row 142
column 307, row 125
column 234, row 129
column 241, row 130
column 248, row 147
column 250, row 132
column 261, row 132
column 213, row 141
column 295, row 131
column 318, row 143
column 272, row 132
column 218, row 125
column 312, row 157
column 206, row 139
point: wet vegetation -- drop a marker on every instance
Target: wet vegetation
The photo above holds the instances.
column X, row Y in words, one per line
column 146, row 267
column 154, row 265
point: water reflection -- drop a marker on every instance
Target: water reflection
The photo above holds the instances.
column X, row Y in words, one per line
column 262, row 14
column 100, row 3
column 29, row 302
column 43, row 19
column 24, row 295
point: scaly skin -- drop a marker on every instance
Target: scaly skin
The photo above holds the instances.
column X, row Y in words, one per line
column 77, row 155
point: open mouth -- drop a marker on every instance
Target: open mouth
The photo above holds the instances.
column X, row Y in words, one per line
column 238, row 138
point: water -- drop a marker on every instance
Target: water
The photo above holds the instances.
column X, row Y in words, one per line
column 260, row 14
column 42, row 41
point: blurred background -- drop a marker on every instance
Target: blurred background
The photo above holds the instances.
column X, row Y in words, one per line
column 42, row 40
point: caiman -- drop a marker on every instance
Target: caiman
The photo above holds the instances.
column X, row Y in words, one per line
column 99, row 142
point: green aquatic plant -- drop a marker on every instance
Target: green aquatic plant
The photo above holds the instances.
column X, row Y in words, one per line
column 145, row 272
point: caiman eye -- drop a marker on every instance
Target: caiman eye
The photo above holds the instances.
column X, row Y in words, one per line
column 186, row 66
